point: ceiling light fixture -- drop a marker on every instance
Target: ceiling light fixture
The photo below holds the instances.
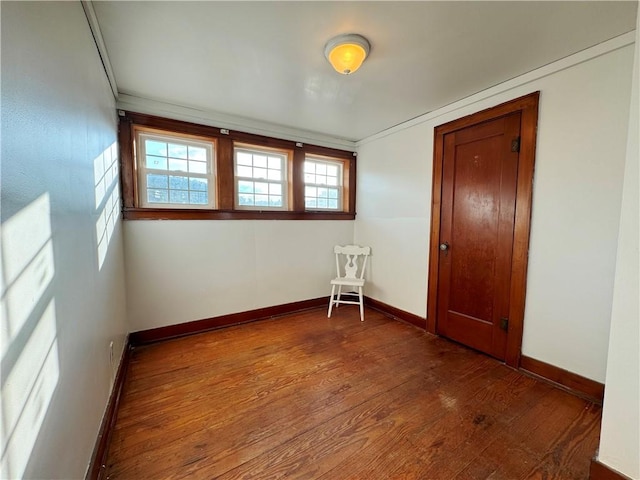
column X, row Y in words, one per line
column 347, row 52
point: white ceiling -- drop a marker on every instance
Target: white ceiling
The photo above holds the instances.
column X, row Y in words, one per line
column 265, row 60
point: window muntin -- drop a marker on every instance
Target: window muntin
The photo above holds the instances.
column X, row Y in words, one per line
column 260, row 178
column 323, row 185
column 175, row 171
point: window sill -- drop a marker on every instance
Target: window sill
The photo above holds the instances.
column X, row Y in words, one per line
column 200, row 214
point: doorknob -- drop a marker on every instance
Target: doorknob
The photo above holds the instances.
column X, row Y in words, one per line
column 444, row 246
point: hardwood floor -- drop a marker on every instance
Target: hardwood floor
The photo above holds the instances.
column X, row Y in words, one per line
column 304, row 396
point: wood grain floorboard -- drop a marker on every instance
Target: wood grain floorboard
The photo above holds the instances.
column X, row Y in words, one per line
column 306, row 397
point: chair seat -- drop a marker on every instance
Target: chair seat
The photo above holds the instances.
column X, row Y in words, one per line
column 352, row 282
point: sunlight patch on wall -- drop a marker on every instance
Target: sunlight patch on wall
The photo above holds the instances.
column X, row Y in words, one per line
column 28, row 332
column 105, row 170
column 26, row 266
column 26, row 394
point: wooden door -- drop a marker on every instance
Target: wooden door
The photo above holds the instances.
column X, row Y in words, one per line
column 479, row 183
column 468, row 296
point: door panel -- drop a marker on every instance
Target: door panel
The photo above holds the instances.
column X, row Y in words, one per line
column 479, row 180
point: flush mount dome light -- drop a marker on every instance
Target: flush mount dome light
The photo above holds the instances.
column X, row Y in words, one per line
column 347, row 52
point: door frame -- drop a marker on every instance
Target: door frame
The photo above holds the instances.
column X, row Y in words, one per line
column 528, row 108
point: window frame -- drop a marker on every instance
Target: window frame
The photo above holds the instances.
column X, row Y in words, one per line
column 141, row 169
column 286, row 156
column 319, row 159
column 224, row 168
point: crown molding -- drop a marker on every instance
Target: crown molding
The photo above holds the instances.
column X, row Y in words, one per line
column 211, row 118
column 94, row 26
column 549, row 69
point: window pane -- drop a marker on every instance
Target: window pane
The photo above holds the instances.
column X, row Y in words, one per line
column 178, row 196
column 332, row 181
column 178, row 183
column 157, row 196
column 158, row 163
column 177, row 151
column 260, row 161
column 309, row 167
column 321, row 168
column 262, row 200
column 244, row 158
column 309, row 178
column 274, row 175
column 198, row 167
column 321, row 179
column 333, row 203
column 310, row 191
column 261, row 187
column 245, row 187
column 310, row 203
column 275, row 201
column 177, row 165
column 259, row 173
column 275, row 189
column 153, row 147
column 199, row 198
column 245, row 200
column 275, row 163
column 245, row 171
column 197, row 153
column 198, row 184
column 322, row 203
column 332, row 170
column 333, row 193
column 322, row 192
column 157, row 181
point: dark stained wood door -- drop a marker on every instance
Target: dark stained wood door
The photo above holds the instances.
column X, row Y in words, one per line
column 479, row 180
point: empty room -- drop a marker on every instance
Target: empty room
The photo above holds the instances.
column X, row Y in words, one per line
column 319, row 240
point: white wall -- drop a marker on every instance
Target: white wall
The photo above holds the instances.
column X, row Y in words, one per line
column 582, row 131
column 62, row 290
column 394, row 211
column 180, row 271
column 620, row 432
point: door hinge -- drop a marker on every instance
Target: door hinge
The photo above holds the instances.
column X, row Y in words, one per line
column 504, row 324
column 515, row 144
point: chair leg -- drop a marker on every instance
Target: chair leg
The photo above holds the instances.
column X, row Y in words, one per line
column 361, row 304
column 333, row 290
column 339, row 293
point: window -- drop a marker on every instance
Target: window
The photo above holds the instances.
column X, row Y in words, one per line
column 322, row 184
column 261, row 178
column 175, row 171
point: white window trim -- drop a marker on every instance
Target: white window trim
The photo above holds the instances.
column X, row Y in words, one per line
column 174, row 138
column 283, row 182
column 340, row 186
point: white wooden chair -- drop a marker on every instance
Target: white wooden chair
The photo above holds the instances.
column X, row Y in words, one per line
column 353, row 260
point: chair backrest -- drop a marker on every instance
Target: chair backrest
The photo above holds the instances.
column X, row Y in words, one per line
column 355, row 260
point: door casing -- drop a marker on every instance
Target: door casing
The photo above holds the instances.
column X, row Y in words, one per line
column 528, row 107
